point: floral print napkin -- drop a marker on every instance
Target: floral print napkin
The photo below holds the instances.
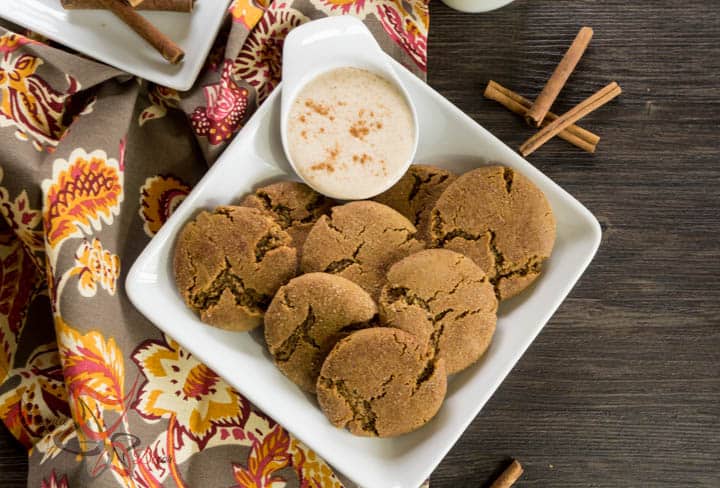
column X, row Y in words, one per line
column 92, row 162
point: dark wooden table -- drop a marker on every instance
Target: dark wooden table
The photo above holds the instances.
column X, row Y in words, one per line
column 622, row 388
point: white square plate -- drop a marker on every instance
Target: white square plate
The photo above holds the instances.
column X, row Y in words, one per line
column 448, row 138
column 102, row 36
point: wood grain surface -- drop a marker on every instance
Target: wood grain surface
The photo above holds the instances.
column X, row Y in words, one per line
column 622, row 388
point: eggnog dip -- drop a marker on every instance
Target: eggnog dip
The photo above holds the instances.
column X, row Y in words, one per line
column 350, row 133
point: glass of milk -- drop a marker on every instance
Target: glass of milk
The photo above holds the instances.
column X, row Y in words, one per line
column 476, row 5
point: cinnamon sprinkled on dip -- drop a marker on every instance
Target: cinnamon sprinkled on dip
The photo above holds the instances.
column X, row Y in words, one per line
column 349, row 132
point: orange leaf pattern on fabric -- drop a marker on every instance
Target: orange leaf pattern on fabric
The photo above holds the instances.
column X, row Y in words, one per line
column 27, row 101
column 24, row 221
column 95, row 266
column 259, row 61
column 267, row 455
column 94, row 373
column 38, row 404
column 181, row 386
column 85, row 190
column 159, row 197
column 93, row 366
column 248, row 12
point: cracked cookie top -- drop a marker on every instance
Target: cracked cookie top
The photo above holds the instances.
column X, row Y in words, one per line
column 307, row 317
column 415, row 194
column 501, row 220
column 229, row 263
column 379, row 382
column 446, row 301
column 294, row 206
column 359, row 241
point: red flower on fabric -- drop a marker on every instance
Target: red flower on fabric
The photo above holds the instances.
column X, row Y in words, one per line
column 224, row 113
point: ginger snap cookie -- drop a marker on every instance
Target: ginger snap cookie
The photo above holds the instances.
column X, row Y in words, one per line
column 501, row 220
column 295, row 206
column 359, row 241
column 379, row 382
column 229, row 263
column 308, row 316
column 415, row 194
column 446, row 301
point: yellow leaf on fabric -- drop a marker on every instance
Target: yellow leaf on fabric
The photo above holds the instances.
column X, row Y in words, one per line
column 85, row 190
column 93, row 366
column 267, row 455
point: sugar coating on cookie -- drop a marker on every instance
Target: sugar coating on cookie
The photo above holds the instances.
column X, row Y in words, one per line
column 293, row 205
column 501, row 220
column 415, row 194
column 229, row 263
column 359, row 241
column 446, row 301
column 308, row 316
column 379, row 382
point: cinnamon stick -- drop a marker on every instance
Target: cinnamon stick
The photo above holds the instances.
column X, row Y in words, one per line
column 134, row 3
column 508, row 477
column 166, row 5
column 557, row 81
column 588, row 105
column 146, row 30
column 577, row 136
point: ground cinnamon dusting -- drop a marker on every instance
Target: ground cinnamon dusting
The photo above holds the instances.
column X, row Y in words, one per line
column 323, row 167
column 329, row 163
column 359, row 129
column 318, row 108
column 362, row 159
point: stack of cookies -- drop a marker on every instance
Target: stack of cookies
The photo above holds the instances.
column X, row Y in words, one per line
column 370, row 304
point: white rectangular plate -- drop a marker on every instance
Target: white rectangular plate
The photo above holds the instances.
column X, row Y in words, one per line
column 448, row 138
column 101, row 35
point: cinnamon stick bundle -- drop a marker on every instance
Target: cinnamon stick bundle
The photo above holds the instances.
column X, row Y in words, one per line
column 588, row 105
column 577, row 136
column 557, row 81
column 166, row 5
column 169, row 50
